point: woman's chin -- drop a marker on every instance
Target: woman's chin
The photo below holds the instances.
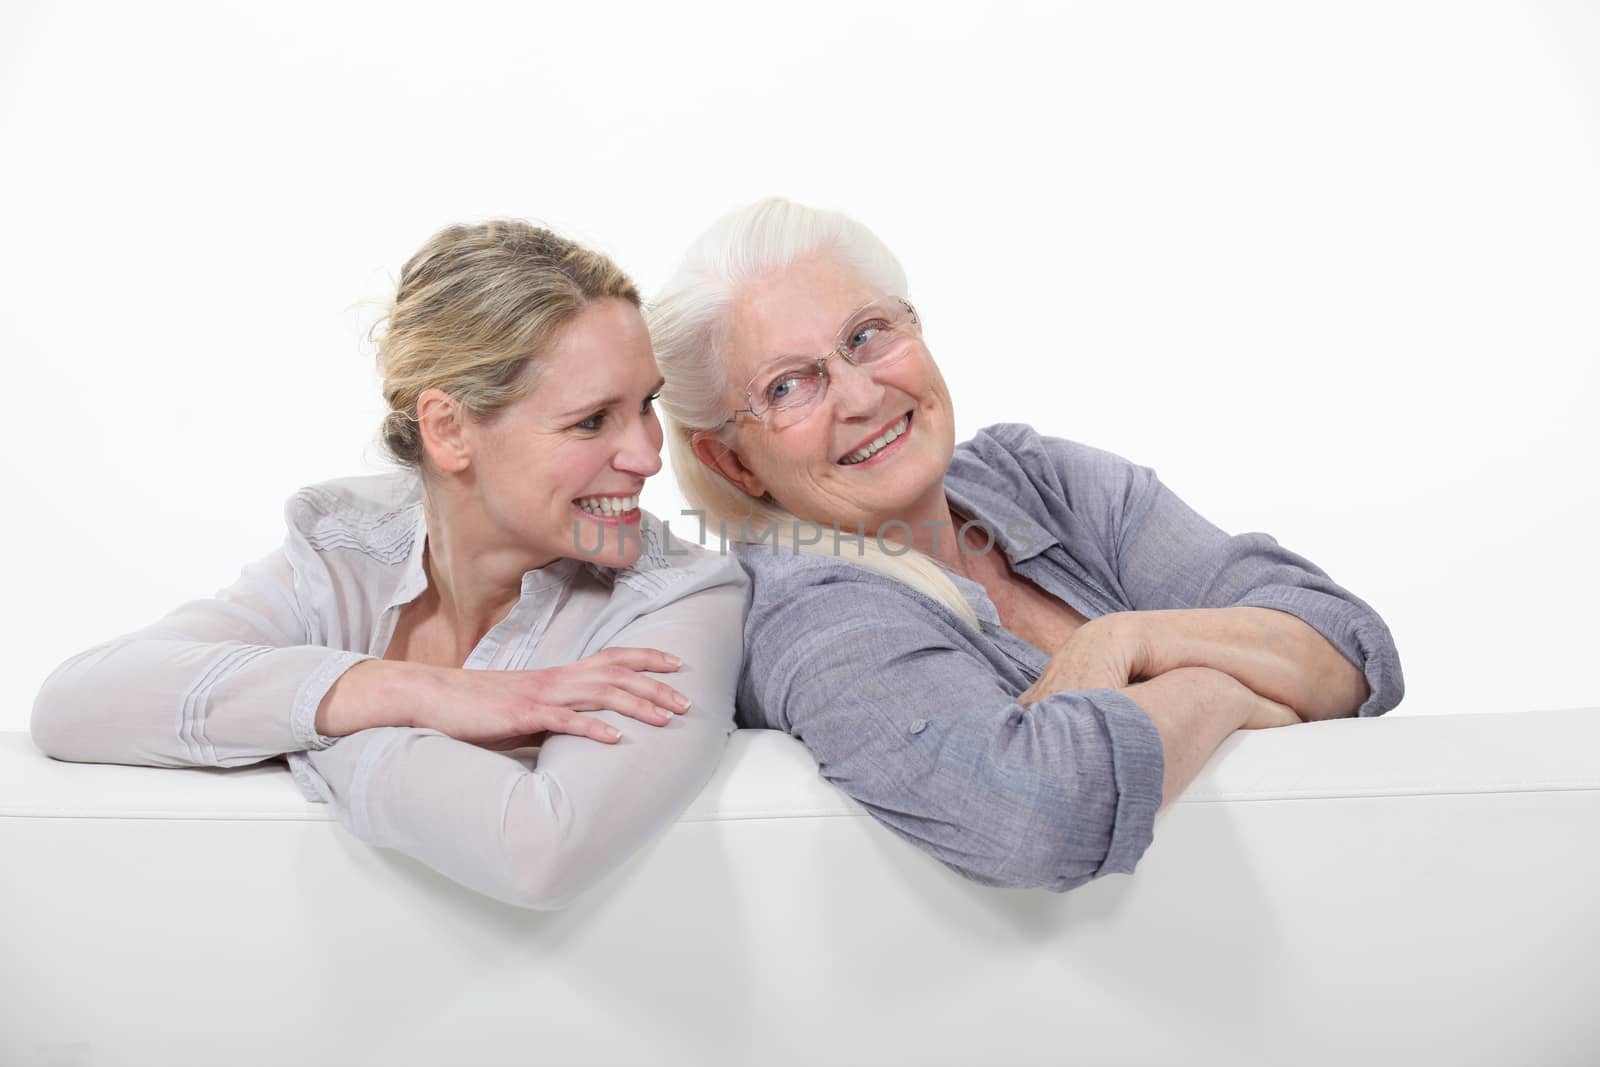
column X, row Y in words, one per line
column 918, row 475
column 609, row 555
column 606, row 540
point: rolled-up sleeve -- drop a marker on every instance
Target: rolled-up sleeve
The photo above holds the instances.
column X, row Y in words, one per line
column 1168, row 556
column 914, row 725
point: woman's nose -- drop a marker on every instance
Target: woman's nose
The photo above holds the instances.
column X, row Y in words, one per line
column 641, row 449
column 855, row 391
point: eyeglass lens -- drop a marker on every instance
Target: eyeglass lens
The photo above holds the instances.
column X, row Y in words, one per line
column 875, row 334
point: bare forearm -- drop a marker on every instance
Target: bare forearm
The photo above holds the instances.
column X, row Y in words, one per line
column 1194, row 709
column 372, row 693
column 1272, row 652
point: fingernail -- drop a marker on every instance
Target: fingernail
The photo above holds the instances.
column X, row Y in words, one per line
column 674, row 660
column 613, row 733
column 682, row 701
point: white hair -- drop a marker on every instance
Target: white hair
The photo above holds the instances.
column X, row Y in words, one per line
column 688, row 323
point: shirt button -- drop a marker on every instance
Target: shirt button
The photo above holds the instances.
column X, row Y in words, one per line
column 919, row 726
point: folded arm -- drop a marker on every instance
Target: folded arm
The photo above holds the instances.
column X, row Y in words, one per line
column 912, row 722
column 537, row 838
column 1184, row 577
column 1243, row 604
column 1276, row 654
column 222, row 682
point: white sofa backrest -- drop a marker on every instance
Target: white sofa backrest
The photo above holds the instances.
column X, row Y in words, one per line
column 1407, row 890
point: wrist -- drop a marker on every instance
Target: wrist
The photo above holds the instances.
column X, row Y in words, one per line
column 372, row 693
column 338, row 715
column 1137, row 635
column 1217, row 694
column 401, row 695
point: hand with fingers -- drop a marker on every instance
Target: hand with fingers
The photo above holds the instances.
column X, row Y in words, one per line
column 1104, row 653
column 504, row 710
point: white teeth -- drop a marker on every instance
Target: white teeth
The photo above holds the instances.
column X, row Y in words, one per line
column 608, row 505
column 867, row 452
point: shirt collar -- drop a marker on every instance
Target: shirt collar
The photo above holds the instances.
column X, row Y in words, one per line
column 1015, row 531
column 414, row 576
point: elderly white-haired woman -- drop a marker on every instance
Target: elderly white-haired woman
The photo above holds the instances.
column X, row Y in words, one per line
column 1010, row 651
column 501, row 590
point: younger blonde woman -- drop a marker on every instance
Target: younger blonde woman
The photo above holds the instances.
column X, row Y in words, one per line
column 502, row 590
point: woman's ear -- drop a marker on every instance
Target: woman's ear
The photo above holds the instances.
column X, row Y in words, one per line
column 440, row 421
column 714, row 453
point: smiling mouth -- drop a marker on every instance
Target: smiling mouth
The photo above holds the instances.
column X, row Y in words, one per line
column 615, row 508
column 879, row 443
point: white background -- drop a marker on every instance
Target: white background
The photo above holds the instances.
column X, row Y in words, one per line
column 1333, row 270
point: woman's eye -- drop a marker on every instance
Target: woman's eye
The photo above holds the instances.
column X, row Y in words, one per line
column 780, row 389
column 592, row 423
column 865, row 332
column 649, row 403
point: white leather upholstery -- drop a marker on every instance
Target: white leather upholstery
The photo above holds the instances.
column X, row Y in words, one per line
column 1404, row 890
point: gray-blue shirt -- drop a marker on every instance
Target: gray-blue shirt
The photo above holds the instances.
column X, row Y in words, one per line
column 914, row 713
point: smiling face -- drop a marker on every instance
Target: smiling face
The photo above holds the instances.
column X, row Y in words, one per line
column 823, row 467
column 559, row 471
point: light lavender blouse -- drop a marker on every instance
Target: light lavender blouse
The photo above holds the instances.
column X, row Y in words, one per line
column 237, row 679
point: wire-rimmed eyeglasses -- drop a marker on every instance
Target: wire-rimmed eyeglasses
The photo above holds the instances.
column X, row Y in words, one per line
column 785, row 389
